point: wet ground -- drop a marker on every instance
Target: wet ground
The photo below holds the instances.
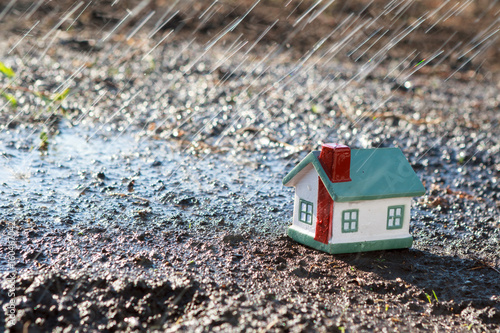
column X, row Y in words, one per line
column 151, row 198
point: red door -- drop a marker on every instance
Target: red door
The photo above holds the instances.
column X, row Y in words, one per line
column 336, row 162
column 324, row 214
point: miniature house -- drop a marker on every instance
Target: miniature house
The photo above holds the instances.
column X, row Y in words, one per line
column 353, row 200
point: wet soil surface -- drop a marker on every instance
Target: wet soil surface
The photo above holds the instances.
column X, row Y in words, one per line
column 109, row 238
column 151, row 198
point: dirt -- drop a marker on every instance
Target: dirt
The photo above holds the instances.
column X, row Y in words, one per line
column 195, row 281
column 150, row 198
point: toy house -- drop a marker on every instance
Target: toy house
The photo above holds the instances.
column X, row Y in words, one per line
column 353, row 200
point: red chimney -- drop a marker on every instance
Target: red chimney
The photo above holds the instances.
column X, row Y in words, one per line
column 336, row 161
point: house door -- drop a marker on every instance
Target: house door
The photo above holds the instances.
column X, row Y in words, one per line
column 324, row 214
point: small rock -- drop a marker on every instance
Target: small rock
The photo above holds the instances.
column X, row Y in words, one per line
column 300, row 272
column 143, row 261
column 232, row 239
column 130, row 186
column 95, row 230
column 281, row 267
column 280, row 260
column 132, row 321
column 186, row 201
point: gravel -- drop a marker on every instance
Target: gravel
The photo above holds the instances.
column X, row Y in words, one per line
column 151, row 198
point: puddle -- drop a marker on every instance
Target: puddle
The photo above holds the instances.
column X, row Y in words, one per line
column 127, row 181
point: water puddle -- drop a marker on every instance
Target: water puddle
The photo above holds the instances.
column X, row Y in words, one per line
column 114, row 180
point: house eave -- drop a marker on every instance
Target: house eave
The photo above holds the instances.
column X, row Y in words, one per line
column 311, row 158
column 378, row 197
column 288, row 180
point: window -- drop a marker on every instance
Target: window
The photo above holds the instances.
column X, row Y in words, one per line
column 395, row 216
column 350, row 220
column 305, row 211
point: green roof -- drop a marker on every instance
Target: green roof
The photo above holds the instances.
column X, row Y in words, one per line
column 377, row 173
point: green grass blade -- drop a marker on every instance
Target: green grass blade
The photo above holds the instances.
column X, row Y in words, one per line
column 435, row 296
column 62, row 95
column 7, row 71
column 10, row 98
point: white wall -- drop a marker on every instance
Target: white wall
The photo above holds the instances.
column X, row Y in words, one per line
column 307, row 189
column 372, row 221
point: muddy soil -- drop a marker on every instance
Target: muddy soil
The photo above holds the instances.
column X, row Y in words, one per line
column 150, row 197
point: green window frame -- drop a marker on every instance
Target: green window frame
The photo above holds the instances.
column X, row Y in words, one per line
column 350, row 220
column 305, row 211
column 395, row 217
